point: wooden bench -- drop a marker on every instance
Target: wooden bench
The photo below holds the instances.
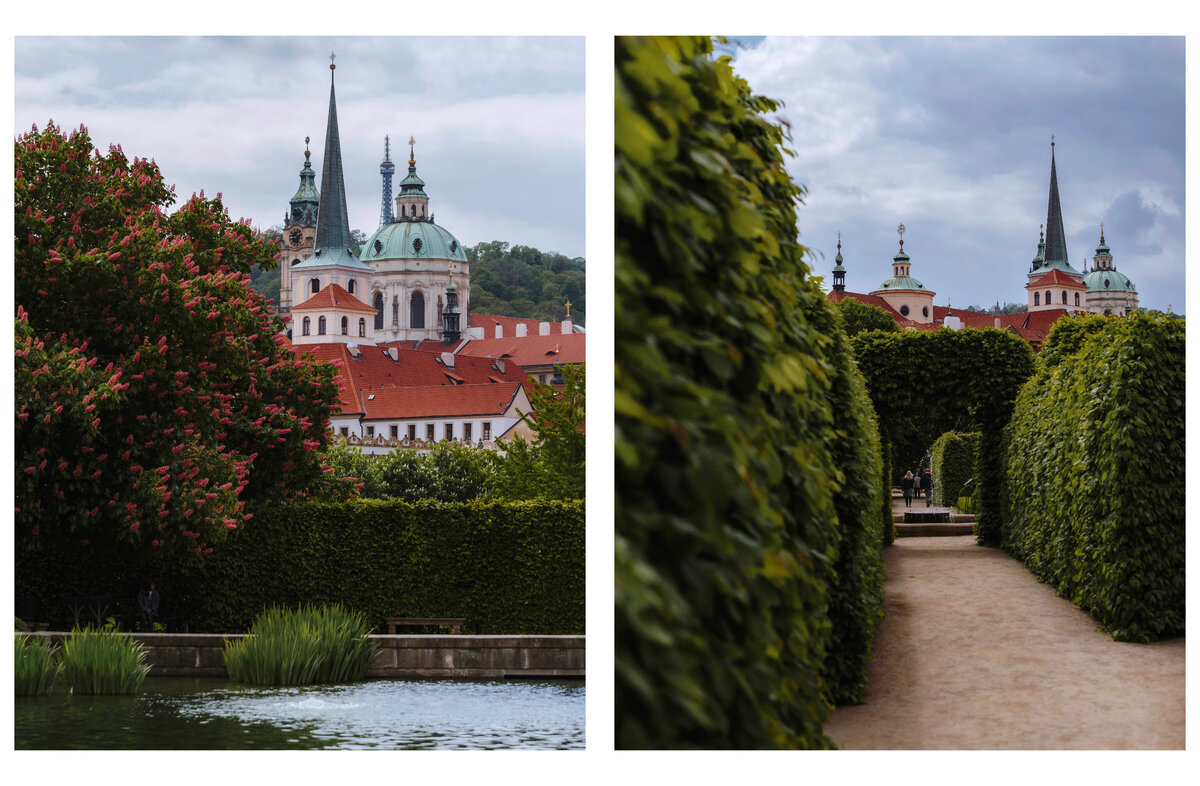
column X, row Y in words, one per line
column 392, row 623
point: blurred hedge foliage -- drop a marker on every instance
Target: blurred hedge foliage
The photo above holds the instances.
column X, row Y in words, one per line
column 953, row 462
column 749, row 514
column 923, row 383
column 1096, row 471
column 507, row 568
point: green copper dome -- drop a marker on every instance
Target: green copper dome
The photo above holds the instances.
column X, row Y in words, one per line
column 412, row 240
column 1108, row 281
column 1102, row 250
column 902, row 282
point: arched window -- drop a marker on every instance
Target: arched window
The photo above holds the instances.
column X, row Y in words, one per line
column 345, row 326
column 1049, row 298
column 402, row 213
column 307, row 326
column 362, row 328
column 904, row 311
column 379, row 311
column 321, row 326
column 1064, row 297
column 1077, row 298
column 416, row 308
column 315, row 285
column 1037, row 298
column 350, row 287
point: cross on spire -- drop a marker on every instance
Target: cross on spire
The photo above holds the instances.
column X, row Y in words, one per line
column 331, row 58
column 899, row 229
column 412, row 156
column 1052, row 140
column 568, row 308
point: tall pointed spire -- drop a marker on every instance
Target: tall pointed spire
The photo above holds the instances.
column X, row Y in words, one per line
column 333, row 241
column 1056, row 240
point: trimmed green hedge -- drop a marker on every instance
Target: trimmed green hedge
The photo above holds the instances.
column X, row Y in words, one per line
column 953, row 458
column 507, row 568
column 748, row 521
column 924, row 383
column 1096, row 472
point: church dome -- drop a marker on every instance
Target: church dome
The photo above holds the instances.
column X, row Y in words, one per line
column 1108, row 281
column 902, row 282
column 412, row 240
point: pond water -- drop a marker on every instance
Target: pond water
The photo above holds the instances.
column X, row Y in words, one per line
column 213, row 713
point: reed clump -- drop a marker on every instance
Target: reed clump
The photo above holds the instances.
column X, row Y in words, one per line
column 36, row 666
column 102, row 662
column 302, row 646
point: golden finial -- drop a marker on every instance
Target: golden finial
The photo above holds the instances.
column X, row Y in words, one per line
column 331, row 57
column 306, row 150
column 568, row 308
column 1101, row 231
column 412, row 156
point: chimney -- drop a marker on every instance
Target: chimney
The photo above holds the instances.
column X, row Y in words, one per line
column 475, row 333
column 395, row 354
column 567, row 327
column 448, row 359
column 500, row 364
column 499, row 331
column 997, row 323
column 521, row 329
column 543, row 328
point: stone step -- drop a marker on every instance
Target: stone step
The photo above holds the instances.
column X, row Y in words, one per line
column 932, row 530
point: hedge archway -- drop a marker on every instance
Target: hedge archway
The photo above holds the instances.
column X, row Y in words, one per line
column 926, row 383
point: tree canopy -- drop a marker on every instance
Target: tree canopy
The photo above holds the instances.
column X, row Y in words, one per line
column 153, row 393
column 524, row 282
column 861, row 317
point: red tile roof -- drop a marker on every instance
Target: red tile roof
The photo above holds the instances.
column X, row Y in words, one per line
column 375, row 370
column 440, row 401
column 333, row 296
column 1056, row 278
column 531, row 351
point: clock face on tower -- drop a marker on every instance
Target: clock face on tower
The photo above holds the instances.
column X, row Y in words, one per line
column 295, row 236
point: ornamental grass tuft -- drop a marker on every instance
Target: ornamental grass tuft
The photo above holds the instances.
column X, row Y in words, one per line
column 35, row 667
column 103, row 662
column 302, row 647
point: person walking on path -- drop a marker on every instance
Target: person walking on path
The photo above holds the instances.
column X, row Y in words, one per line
column 927, row 487
column 906, row 485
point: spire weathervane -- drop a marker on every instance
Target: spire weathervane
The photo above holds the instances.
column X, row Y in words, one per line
column 1052, row 140
column 1101, row 231
column 412, row 156
column 568, row 304
column 331, row 58
column 839, row 242
column 900, row 230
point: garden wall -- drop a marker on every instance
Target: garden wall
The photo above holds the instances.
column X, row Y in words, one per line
column 507, row 568
column 1096, row 472
column 750, row 516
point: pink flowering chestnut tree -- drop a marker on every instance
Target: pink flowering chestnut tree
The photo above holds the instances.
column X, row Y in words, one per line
column 154, row 396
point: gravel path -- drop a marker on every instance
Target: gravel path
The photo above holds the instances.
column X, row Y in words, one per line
column 974, row 653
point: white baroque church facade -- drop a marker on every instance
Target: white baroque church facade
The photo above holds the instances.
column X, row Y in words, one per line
column 409, row 281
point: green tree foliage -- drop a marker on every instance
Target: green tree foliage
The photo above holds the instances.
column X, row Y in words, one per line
column 953, row 459
column 1095, row 471
column 552, row 465
column 861, row 317
column 153, row 396
column 924, row 383
column 748, row 515
column 524, row 282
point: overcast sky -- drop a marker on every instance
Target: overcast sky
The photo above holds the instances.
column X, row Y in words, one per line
column 951, row 137
column 499, row 122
